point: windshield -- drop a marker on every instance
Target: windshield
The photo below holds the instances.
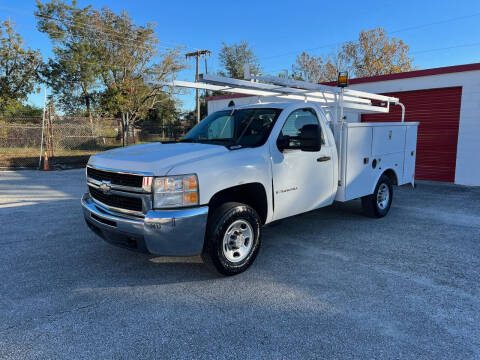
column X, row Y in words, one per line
column 243, row 127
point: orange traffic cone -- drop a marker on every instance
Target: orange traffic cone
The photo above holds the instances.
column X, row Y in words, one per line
column 46, row 166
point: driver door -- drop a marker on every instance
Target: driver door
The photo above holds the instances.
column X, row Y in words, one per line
column 302, row 180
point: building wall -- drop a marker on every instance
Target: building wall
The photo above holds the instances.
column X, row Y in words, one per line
column 467, row 170
column 438, row 111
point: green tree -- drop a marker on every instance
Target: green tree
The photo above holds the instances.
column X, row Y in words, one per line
column 190, row 117
column 19, row 68
column 74, row 71
column 21, row 112
column 131, row 66
column 104, row 62
column 162, row 119
column 234, row 57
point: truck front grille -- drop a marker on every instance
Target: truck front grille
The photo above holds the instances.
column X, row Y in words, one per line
column 115, row 177
column 118, row 201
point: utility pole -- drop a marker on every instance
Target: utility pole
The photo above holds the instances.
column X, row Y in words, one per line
column 197, row 55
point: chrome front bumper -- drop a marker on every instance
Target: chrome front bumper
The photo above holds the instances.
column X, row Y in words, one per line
column 161, row 232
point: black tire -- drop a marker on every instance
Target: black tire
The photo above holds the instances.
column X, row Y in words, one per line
column 370, row 204
column 219, row 222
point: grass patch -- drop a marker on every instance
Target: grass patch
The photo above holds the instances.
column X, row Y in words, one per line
column 22, row 152
column 28, row 157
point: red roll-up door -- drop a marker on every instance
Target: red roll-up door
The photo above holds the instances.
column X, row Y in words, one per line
column 438, row 111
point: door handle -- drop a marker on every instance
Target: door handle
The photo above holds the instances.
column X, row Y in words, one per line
column 323, row 158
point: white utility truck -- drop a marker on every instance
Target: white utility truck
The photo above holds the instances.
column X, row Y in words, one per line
column 243, row 167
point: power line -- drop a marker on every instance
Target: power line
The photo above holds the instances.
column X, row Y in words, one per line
column 388, row 32
column 296, row 52
column 434, row 23
column 98, row 31
column 414, row 52
column 126, row 44
column 446, row 48
column 116, row 67
column 111, row 33
column 118, row 36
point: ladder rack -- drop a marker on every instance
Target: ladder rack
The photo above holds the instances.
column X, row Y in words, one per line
column 329, row 97
column 270, row 86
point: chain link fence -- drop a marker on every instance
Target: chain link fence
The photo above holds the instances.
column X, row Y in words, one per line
column 69, row 141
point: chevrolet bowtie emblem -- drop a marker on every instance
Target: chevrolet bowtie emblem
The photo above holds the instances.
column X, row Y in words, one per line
column 105, row 186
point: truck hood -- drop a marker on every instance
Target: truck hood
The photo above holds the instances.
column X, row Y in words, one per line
column 155, row 158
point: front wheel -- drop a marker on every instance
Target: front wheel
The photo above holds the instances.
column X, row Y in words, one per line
column 378, row 204
column 232, row 240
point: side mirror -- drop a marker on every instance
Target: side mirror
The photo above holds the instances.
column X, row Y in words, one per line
column 310, row 138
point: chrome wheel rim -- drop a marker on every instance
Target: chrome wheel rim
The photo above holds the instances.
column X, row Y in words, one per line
column 238, row 241
column 383, row 196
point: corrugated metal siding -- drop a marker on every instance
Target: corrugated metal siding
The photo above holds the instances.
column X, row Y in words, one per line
column 438, row 111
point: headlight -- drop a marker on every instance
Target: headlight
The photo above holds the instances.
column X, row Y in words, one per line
column 175, row 191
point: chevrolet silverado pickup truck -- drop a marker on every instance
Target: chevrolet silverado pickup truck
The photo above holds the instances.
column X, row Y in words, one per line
column 241, row 168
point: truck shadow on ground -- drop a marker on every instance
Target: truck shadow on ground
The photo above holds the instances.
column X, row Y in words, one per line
column 279, row 238
column 50, row 222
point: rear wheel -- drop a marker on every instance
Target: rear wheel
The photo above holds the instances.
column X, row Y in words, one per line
column 232, row 240
column 378, row 204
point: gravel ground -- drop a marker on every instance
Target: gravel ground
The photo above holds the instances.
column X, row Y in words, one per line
column 327, row 284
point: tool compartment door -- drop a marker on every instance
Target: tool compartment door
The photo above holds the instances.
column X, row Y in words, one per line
column 388, row 139
column 358, row 173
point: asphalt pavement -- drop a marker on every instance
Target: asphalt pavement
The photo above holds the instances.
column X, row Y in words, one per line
column 329, row 284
